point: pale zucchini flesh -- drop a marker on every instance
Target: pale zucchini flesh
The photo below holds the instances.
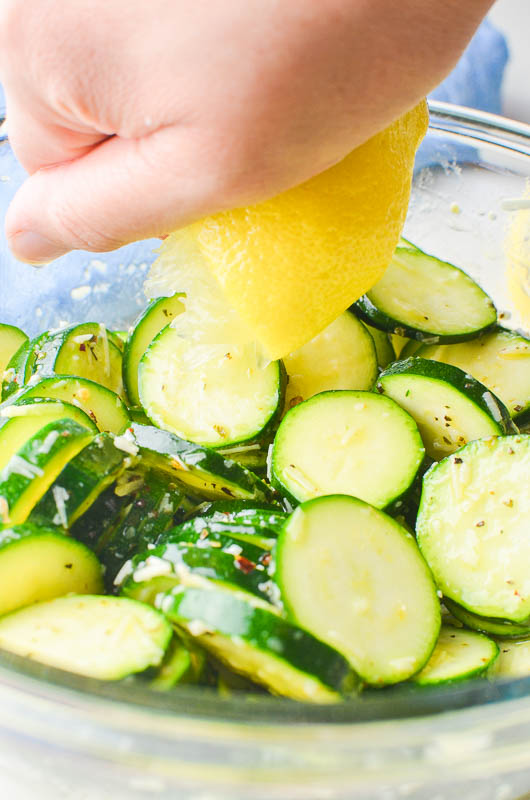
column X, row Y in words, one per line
column 214, row 402
column 458, row 655
column 500, row 360
column 513, row 660
column 342, row 356
column 422, row 297
column 38, row 563
column 473, row 525
column 354, row 578
column 97, row 636
column 346, row 442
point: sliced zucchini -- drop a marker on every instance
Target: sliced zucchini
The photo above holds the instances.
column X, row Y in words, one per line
column 103, row 515
column 473, row 525
column 238, row 538
column 342, row 356
column 103, row 406
column 424, row 298
column 217, row 401
column 11, row 339
column 202, row 471
column 38, row 563
column 28, row 471
column 151, row 510
column 500, row 360
column 80, row 483
column 513, row 660
column 247, row 635
column 156, row 316
column 383, row 346
column 346, row 442
column 458, row 656
column 355, row 579
column 20, row 366
column 174, row 558
column 180, row 665
column 262, row 520
column 87, row 350
column 35, row 410
column 487, row 625
column 100, row 637
column 251, row 455
column 450, row 407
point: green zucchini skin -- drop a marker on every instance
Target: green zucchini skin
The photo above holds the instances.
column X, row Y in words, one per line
column 383, row 346
column 104, row 407
column 39, row 563
column 488, row 625
column 154, row 317
column 103, row 515
column 201, row 471
column 100, row 637
column 371, row 313
column 174, row 557
column 182, row 664
column 44, row 407
column 148, row 512
column 42, row 456
column 209, row 533
column 293, row 662
column 80, row 483
column 459, row 655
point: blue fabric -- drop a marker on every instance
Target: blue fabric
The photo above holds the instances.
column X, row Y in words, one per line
column 476, row 81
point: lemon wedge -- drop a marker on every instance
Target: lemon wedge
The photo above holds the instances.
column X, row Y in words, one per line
column 275, row 274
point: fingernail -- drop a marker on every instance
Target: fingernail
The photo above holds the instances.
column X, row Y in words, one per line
column 34, row 248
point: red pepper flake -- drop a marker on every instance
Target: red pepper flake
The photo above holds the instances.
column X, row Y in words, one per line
column 265, row 559
column 244, row 564
column 82, row 347
column 295, row 401
column 203, row 534
column 480, row 524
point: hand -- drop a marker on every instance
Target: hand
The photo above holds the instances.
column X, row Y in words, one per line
column 136, row 118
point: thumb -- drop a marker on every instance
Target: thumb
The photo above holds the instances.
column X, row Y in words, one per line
column 120, row 191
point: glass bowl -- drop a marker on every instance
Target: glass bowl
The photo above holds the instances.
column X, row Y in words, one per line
column 63, row 736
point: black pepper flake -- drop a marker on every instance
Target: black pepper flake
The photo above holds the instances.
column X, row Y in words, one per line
column 446, row 440
column 448, row 419
column 457, row 460
column 227, row 491
column 517, row 408
column 68, row 566
column 379, row 388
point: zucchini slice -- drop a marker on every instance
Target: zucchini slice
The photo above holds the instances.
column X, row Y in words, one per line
column 11, row 339
column 38, row 563
column 383, row 346
column 203, row 472
column 450, row 407
column 103, row 515
column 28, row 471
column 500, row 360
column 487, row 625
column 458, row 656
column 354, row 578
column 180, row 665
column 513, row 660
column 174, row 558
column 424, row 298
column 251, row 638
column 20, row 366
column 156, row 316
column 36, row 411
column 87, row 350
column 103, row 406
column 263, row 521
column 473, row 525
column 217, row 401
column 80, row 483
column 346, row 442
column 238, row 538
column 100, row 637
column 151, row 509
column 342, row 356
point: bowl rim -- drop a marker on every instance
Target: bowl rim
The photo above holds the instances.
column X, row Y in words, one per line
column 26, row 680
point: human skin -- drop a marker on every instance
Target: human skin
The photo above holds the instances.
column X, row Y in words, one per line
column 133, row 118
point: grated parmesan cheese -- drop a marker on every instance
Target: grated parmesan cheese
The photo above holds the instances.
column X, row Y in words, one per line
column 60, row 496
column 126, row 443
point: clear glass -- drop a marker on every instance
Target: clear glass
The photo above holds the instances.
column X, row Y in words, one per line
column 62, row 736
